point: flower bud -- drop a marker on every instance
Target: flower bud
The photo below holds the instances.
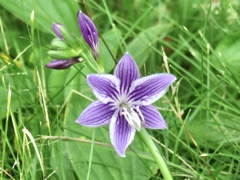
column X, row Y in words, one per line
column 89, row 32
column 66, row 36
column 62, row 64
column 58, row 44
column 70, row 39
column 56, row 29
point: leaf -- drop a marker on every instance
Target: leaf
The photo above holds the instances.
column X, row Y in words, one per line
column 56, row 83
column 16, row 100
column 60, row 161
column 46, row 12
column 218, row 170
column 229, row 49
column 4, row 101
column 112, row 39
column 141, row 46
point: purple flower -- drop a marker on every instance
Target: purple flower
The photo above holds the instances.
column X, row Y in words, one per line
column 62, row 64
column 89, row 32
column 125, row 101
column 56, row 29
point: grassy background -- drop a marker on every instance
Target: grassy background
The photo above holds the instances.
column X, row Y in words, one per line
column 198, row 41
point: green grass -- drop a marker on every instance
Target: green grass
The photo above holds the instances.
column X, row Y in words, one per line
column 198, row 41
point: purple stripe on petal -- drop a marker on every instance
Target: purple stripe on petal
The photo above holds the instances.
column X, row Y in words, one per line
column 96, row 114
column 153, row 119
column 121, row 134
column 104, row 86
column 127, row 71
column 149, row 89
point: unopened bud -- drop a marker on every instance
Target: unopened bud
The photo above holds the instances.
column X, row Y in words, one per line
column 64, row 54
column 89, row 32
column 62, row 64
column 58, row 44
column 56, row 29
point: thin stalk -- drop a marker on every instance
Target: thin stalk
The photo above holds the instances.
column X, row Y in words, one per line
column 91, row 155
column 91, row 64
column 155, row 153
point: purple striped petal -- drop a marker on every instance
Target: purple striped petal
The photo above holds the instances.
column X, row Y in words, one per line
column 127, row 71
column 149, row 89
column 121, row 134
column 96, row 114
column 153, row 119
column 89, row 32
column 104, row 86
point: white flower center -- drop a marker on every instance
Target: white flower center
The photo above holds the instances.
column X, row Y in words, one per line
column 132, row 114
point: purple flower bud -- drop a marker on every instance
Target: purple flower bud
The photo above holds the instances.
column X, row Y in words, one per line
column 89, row 32
column 56, row 28
column 62, row 64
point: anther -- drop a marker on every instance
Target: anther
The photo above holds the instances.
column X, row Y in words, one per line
column 132, row 118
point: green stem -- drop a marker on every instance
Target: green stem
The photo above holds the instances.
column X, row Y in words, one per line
column 91, row 154
column 155, row 153
column 91, row 64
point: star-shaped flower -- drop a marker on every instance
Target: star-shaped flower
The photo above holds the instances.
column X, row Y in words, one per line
column 125, row 102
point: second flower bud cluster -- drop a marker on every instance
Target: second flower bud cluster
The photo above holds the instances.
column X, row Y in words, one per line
column 66, row 49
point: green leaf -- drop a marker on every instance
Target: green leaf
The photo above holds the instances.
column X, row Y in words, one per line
column 56, row 83
column 45, row 13
column 14, row 98
column 60, row 161
column 112, row 39
column 143, row 43
column 218, row 170
column 229, row 49
column 4, row 101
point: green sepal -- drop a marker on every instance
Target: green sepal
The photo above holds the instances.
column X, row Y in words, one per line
column 70, row 39
column 58, row 43
column 64, row 54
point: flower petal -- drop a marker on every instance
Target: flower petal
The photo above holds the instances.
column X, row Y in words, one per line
column 127, row 71
column 104, row 86
column 153, row 119
column 96, row 114
column 149, row 89
column 121, row 134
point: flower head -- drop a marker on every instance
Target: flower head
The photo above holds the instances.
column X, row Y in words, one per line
column 89, row 32
column 62, row 64
column 125, row 102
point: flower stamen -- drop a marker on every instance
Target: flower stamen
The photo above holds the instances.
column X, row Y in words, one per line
column 140, row 113
column 132, row 118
